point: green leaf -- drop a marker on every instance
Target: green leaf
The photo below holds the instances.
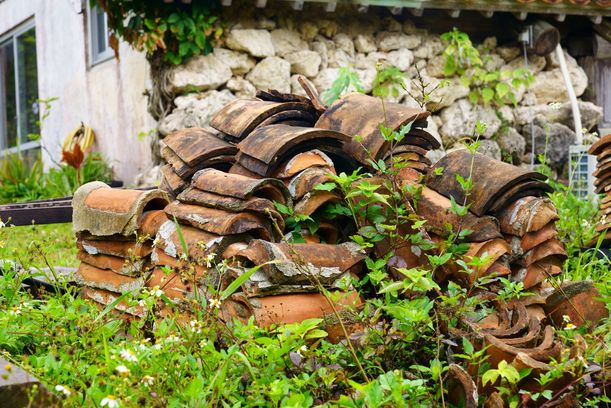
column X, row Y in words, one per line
column 490, row 376
column 325, row 186
column 473, row 96
column 465, row 80
column 502, row 89
column 189, row 24
column 393, row 287
column 241, row 279
column 174, row 17
column 513, row 99
column 467, row 346
column 487, row 94
column 516, row 82
column 184, row 48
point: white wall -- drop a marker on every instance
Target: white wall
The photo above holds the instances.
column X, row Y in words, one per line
column 107, row 96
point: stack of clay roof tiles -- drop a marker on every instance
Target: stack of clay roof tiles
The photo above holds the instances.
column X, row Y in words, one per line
column 602, row 150
column 114, row 230
column 277, row 149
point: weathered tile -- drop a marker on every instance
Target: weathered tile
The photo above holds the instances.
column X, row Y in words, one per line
column 527, row 214
column 222, row 222
column 122, row 266
column 358, row 114
column 101, row 210
column 234, row 185
column 303, row 161
column 105, row 298
column 122, row 249
column 194, row 145
column 93, row 277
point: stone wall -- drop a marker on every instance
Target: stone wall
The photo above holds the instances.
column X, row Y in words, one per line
column 270, row 48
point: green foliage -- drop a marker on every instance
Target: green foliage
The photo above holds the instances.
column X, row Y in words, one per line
column 346, row 79
column 21, row 178
column 464, row 59
column 386, row 79
column 178, row 30
column 63, row 180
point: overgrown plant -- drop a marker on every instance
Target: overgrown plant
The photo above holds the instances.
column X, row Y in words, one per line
column 464, row 59
column 178, row 30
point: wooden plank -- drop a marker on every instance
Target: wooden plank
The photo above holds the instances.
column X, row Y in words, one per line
column 48, row 215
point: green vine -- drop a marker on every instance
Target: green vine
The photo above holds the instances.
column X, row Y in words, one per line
column 178, row 30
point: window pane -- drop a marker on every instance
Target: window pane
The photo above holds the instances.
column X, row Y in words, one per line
column 8, row 96
column 28, row 84
column 100, row 17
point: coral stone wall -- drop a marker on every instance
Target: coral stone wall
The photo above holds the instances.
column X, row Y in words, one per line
column 269, row 48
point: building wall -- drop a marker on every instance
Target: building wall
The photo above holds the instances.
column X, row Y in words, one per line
column 107, row 96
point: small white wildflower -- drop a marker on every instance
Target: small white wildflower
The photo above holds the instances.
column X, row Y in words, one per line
column 142, row 345
column 594, row 134
column 583, row 361
column 142, row 303
column 122, row 370
column 209, row 260
column 63, row 389
column 156, row 291
column 203, row 343
column 585, row 223
column 183, row 257
column 584, row 131
column 2, row 244
column 128, row 355
column 215, row 303
column 570, row 326
column 147, row 380
column 302, row 350
column 196, row 326
column 566, row 319
column 155, row 242
column 554, row 105
column 15, row 311
column 173, row 338
column 2, row 225
column 110, row 400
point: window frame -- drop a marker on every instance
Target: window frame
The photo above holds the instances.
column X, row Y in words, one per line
column 30, row 144
column 96, row 56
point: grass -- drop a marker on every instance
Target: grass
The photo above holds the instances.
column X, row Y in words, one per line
column 57, row 239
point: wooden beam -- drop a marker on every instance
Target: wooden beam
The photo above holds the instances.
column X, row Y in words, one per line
column 363, row 8
column 454, row 13
column 604, row 30
column 260, row 3
column 487, row 13
column 521, row 15
column 416, row 12
column 560, row 17
column 330, row 7
column 396, row 10
column 596, row 19
column 296, row 5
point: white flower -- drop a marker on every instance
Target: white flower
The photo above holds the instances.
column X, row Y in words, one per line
column 147, row 380
column 584, row 131
column 2, row 244
column 15, row 311
column 155, row 242
column 111, row 401
column 2, row 225
column 594, row 134
column 570, row 326
column 566, row 318
column 554, row 105
column 215, row 303
column 142, row 303
column 156, row 291
column 302, row 350
column 143, row 344
column 583, row 361
column 203, row 343
column 173, row 338
column 122, row 370
column 157, row 345
column 63, row 389
column 128, row 355
column 196, row 326
column 209, row 260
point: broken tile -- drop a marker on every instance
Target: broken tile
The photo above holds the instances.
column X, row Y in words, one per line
column 194, row 145
column 93, row 277
column 127, row 267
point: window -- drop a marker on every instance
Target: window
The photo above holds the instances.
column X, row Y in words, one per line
column 18, row 89
column 582, row 167
column 100, row 48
